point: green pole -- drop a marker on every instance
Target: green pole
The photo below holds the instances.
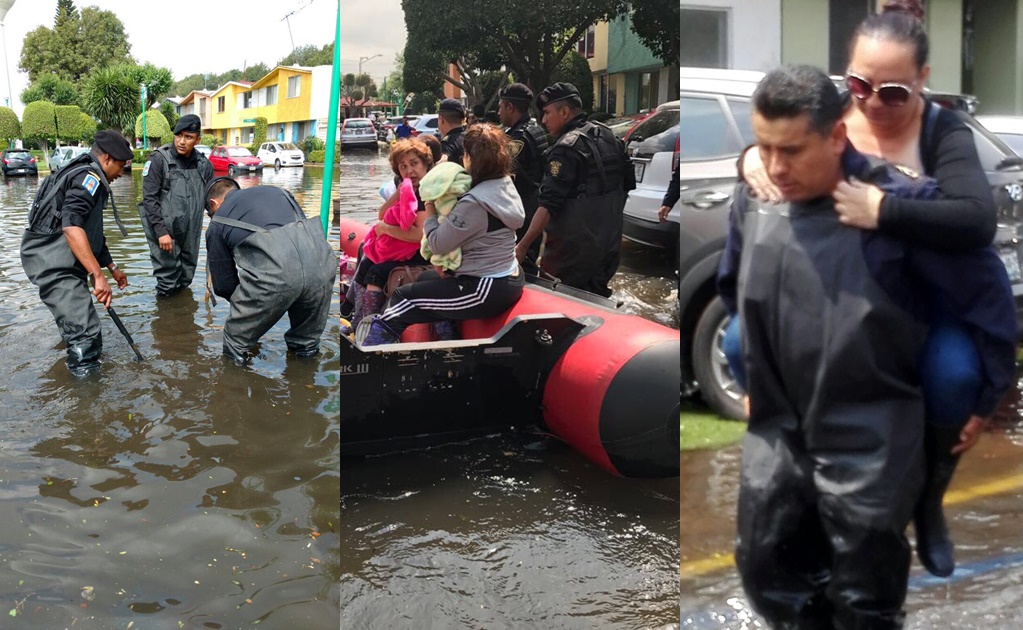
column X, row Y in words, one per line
column 145, row 139
column 335, row 98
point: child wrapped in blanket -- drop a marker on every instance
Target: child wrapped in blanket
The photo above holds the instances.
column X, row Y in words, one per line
column 443, row 185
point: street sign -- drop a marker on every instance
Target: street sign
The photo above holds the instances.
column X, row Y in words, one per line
column 252, row 120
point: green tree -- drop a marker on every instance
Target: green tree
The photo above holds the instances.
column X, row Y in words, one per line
column 86, row 128
column 69, row 119
column 157, row 129
column 575, row 70
column 10, row 128
column 529, row 38
column 167, row 109
column 51, row 87
column 65, row 11
column 77, row 45
column 190, row 83
column 210, row 140
column 112, row 98
column 259, row 133
column 255, row 72
column 655, row 22
column 40, row 123
column 158, row 81
column 310, row 56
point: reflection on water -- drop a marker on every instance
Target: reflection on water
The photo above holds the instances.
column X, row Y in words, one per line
column 179, row 492
column 512, row 532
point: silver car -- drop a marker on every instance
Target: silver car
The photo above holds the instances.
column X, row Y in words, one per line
column 62, row 156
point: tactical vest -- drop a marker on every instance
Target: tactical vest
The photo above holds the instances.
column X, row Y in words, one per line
column 536, row 137
column 170, row 165
column 605, row 159
column 45, row 216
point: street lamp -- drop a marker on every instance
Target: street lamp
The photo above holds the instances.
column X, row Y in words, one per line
column 145, row 139
column 5, row 6
column 361, row 59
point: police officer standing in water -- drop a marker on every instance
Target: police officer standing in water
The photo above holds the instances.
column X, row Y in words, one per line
column 527, row 142
column 173, row 181
column 64, row 246
column 267, row 259
column 451, row 124
column 582, row 195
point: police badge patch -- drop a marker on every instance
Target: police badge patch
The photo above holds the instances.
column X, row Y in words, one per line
column 554, row 168
column 515, row 147
column 90, row 183
column 145, row 169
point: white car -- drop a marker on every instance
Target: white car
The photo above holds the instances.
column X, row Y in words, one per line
column 1009, row 130
column 426, row 124
column 204, row 149
column 358, row 132
column 280, row 154
column 653, row 145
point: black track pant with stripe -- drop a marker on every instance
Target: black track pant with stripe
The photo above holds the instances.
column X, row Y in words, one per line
column 434, row 298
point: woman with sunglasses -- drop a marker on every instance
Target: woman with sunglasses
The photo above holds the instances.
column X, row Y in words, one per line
column 889, row 117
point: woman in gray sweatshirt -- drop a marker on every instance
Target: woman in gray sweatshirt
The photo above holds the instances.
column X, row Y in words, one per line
column 482, row 223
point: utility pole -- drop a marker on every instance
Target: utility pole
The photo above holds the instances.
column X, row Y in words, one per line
column 361, row 59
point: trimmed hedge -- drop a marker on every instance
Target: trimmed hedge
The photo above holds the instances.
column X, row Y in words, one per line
column 210, row 140
column 10, row 128
column 259, row 133
column 141, row 155
column 321, row 155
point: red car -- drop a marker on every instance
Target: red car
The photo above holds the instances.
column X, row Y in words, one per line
column 235, row 160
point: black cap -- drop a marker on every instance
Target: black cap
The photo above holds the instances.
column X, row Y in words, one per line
column 452, row 105
column 516, row 93
column 188, row 122
column 114, row 144
column 213, row 182
column 554, row 93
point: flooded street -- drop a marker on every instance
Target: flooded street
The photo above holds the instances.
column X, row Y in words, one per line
column 179, row 492
column 983, row 505
column 512, row 531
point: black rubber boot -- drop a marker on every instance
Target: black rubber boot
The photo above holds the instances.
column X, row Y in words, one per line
column 933, row 545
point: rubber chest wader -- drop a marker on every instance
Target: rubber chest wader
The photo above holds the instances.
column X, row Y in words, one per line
column 62, row 280
column 584, row 238
column 831, row 463
column 181, row 205
column 288, row 269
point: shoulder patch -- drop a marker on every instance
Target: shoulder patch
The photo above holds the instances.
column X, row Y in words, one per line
column 554, row 168
column 90, row 183
column 145, row 169
column 515, row 147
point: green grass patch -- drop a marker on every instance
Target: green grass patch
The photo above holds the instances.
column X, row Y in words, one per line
column 707, row 431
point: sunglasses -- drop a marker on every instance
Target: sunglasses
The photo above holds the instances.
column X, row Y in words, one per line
column 892, row 94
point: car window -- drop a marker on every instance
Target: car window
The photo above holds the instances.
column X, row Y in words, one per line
column 288, row 146
column 742, row 111
column 239, row 152
column 1015, row 141
column 990, row 149
column 706, row 132
column 432, row 123
column 656, row 125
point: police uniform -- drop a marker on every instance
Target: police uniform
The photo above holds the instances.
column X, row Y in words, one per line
column 172, row 204
column 268, row 259
column 584, row 188
column 81, row 191
column 451, row 143
column 527, row 142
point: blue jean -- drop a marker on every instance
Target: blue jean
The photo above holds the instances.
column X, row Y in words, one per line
column 950, row 372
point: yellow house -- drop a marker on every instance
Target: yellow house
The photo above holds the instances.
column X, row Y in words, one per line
column 232, row 120
column 283, row 96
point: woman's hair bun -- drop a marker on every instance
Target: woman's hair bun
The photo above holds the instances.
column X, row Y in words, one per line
column 909, row 7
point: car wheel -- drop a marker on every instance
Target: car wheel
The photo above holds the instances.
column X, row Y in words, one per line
column 718, row 387
column 277, row 165
column 230, row 170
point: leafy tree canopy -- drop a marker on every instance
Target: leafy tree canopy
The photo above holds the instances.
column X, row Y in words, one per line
column 112, row 96
column 655, row 22
column 167, row 109
column 40, row 123
column 575, row 70
column 310, row 56
column 78, row 44
column 156, row 127
column 10, row 128
column 69, row 119
column 51, row 87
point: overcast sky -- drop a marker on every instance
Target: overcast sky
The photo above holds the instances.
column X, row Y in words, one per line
column 190, row 36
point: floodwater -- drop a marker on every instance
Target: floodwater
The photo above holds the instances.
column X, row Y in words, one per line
column 984, row 506
column 514, row 531
column 183, row 491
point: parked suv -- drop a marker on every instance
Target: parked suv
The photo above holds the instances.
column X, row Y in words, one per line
column 715, row 127
column 653, row 145
column 62, row 156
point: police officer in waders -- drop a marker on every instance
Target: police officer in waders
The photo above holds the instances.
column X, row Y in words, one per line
column 527, row 142
column 582, row 195
column 64, row 246
column 267, row 259
column 173, row 181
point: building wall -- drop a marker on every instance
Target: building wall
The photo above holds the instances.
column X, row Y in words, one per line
column 625, row 52
column 799, row 18
column 229, row 118
column 995, row 52
column 945, row 29
column 598, row 63
column 754, row 31
column 291, row 109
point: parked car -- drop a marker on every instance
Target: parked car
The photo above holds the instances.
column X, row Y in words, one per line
column 426, row 124
column 204, row 149
column 18, row 162
column 653, row 145
column 386, row 132
column 280, row 154
column 235, row 160
column 715, row 127
column 358, row 132
column 1009, row 130
column 62, row 156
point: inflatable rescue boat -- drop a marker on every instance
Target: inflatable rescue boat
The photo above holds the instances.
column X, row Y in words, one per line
column 605, row 382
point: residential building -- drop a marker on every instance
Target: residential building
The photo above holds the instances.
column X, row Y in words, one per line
column 284, row 97
column 231, row 121
column 198, row 102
